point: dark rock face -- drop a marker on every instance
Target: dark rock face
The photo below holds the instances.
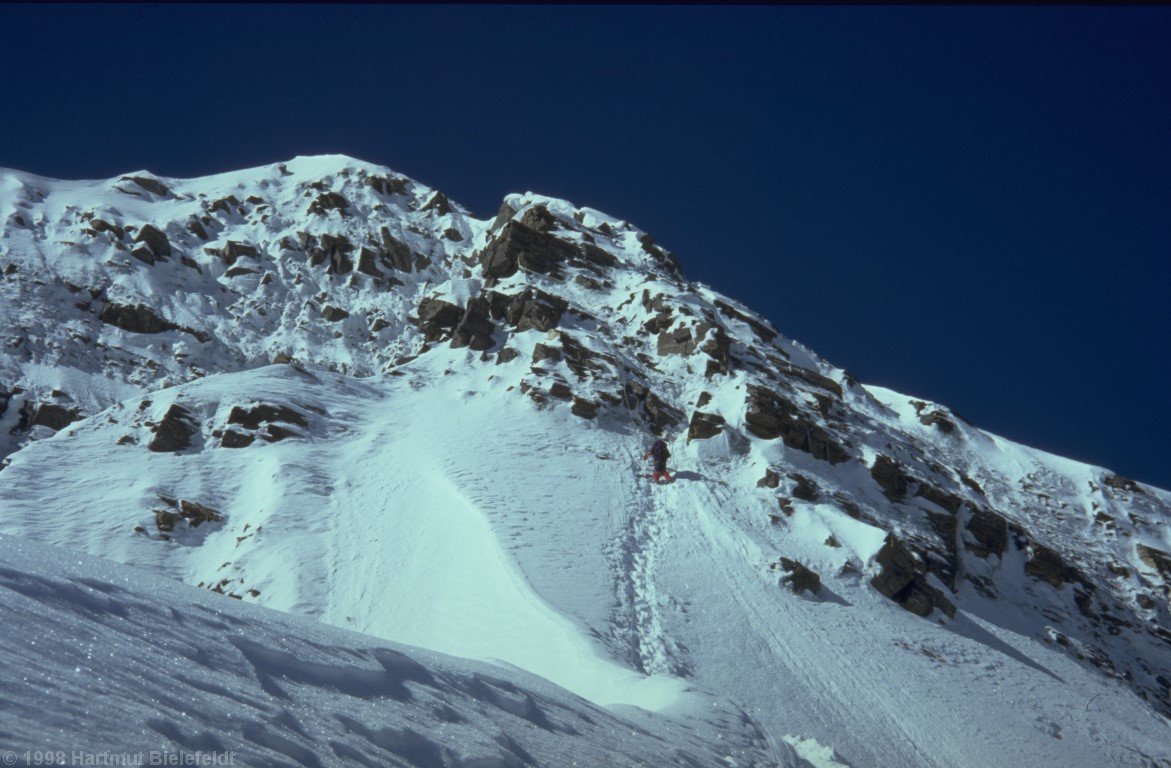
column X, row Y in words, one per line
column 54, row 416
column 155, row 240
column 174, row 431
column 437, row 318
column 154, row 186
column 518, row 247
column 809, row 377
column 538, row 217
column 902, row 579
column 891, row 477
column 938, row 419
column 253, row 417
column 799, row 578
column 474, row 329
column 1120, row 483
column 676, row 342
column 235, row 250
column 594, row 258
column 560, row 390
column 233, row 439
column 763, row 331
column 165, row 521
column 1048, row 566
column 195, row 513
column 507, row 355
column 770, row 416
column 804, row 488
column 387, row 185
column 1157, row 559
column 367, row 263
column 546, row 352
column 718, row 348
column 990, row 531
column 99, row 225
column 136, row 319
column 396, row 255
column 586, row 409
column 940, row 497
column 439, row 204
column 704, row 426
column 662, row 415
column 535, row 309
column 334, row 314
column 770, row 480
column 581, row 360
column 329, row 201
column 195, row 227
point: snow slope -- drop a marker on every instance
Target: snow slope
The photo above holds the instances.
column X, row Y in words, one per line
column 448, row 455
column 114, row 664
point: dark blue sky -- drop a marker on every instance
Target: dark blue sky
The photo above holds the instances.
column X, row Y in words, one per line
column 967, row 204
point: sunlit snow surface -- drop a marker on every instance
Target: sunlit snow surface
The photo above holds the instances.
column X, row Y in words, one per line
column 430, row 504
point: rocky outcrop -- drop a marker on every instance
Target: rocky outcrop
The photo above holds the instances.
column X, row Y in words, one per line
column 329, row 201
column 174, row 431
column 990, row 532
column 333, row 314
column 232, row 438
column 1157, row 559
column 395, row 255
column 474, row 329
column 54, row 416
column 936, row 418
column 252, row 417
column 813, row 378
column 662, row 416
column 799, row 578
column 154, row 186
column 939, row 497
column 155, row 240
column 195, row 513
column 1047, row 565
column 368, row 262
column 437, row 318
column 137, row 318
column 704, row 426
column 676, row 342
column 387, row 185
column 439, row 204
column 235, row 250
column 584, row 362
column 546, row 352
column 586, row 409
column 804, row 488
column 891, row 477
column 763, row 331
column 184, row 510
column 534, row 309
column 518, row 247
column 770, row 416
column 903, row 579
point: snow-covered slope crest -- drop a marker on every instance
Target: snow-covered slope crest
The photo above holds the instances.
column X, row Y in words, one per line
column 115, row 667
column 457, row 414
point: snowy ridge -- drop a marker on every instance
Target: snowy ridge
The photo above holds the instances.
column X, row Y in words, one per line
column 318, row 384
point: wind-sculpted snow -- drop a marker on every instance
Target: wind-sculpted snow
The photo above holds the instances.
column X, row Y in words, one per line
column 111, row 663
column 447, row 449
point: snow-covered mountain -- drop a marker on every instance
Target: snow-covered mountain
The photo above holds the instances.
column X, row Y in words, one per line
column 328, row 389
